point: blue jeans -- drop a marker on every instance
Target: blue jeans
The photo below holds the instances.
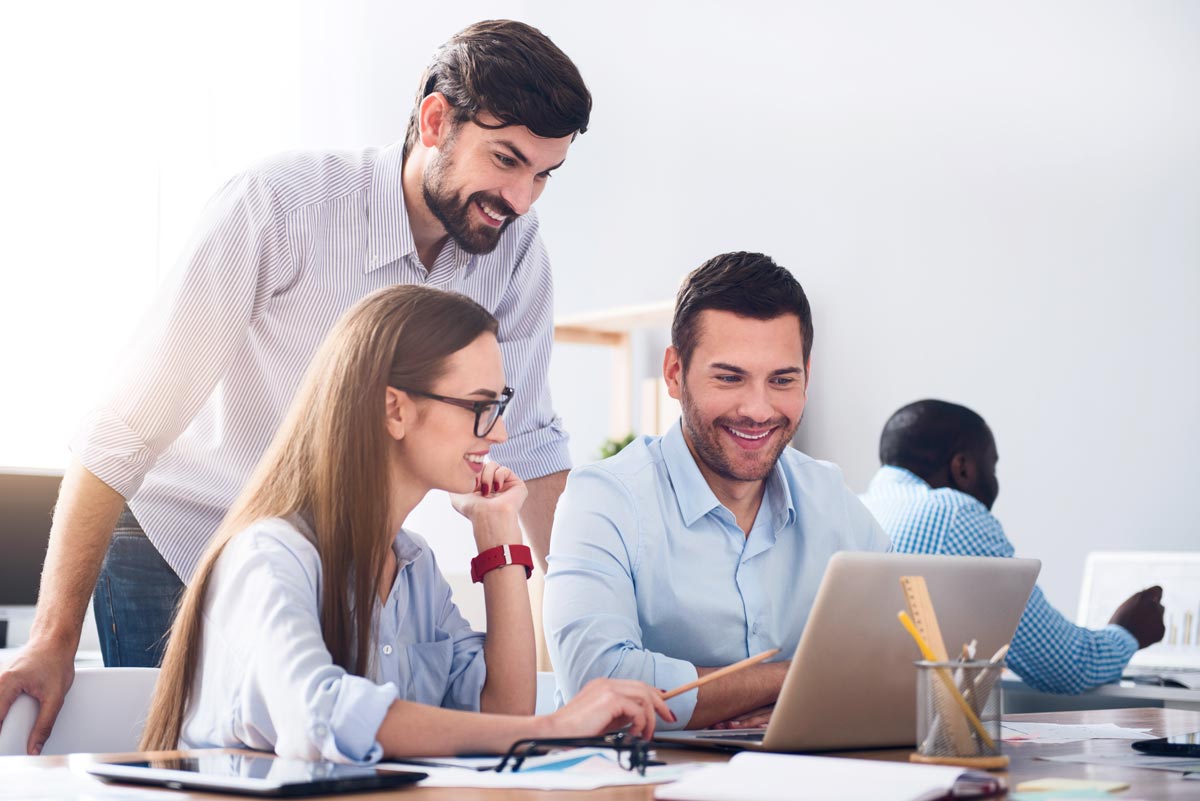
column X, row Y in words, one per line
column 135, row 598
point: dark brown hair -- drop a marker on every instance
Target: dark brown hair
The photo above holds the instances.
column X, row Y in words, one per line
column 747, row 284
column 328, row 465
column 511, row 71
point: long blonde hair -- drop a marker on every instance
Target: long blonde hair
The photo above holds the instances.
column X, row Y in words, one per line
column 328, row 465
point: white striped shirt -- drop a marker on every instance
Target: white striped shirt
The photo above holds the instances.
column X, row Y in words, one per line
column 283, row 250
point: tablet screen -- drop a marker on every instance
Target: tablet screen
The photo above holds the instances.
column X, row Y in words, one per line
column 253, row 775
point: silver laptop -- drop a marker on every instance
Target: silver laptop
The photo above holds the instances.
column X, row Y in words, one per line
column 852, row 683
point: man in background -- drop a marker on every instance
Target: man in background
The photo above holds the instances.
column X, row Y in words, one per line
column 284, row 249
column 691, row 551
column 934, row 494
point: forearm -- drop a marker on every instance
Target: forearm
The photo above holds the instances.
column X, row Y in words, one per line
column 508, row 651
column 84, row 517
column 412, row 729
column 537, row 514
column 739, row 692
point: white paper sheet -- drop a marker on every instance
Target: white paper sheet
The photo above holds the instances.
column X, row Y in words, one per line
column 1068, row 733
column 585, row 769
column 783, row 777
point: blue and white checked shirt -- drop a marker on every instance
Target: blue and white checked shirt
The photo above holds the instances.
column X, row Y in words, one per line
column 650, row 576
column 283, row 250
column 1048, row 651
column 266, row 680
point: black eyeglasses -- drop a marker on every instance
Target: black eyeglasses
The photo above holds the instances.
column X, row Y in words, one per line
column 633, row 753
column 487, row 412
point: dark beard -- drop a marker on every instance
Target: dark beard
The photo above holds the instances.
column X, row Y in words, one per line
column 455, row 216
column 707, row 445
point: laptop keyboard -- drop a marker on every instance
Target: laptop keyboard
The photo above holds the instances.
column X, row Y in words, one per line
column 1186, row 677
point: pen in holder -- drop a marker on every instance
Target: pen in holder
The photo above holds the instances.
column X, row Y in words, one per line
column 958, row 713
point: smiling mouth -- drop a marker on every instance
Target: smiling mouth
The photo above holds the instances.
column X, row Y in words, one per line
column 749, row 435
column 491, row 216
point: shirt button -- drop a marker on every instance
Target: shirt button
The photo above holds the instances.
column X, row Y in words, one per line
column 320, row 730
column 387, row 650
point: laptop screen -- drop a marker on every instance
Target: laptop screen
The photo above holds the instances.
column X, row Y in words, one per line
column 1109, row 577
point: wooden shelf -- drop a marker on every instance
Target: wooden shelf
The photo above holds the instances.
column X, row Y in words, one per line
column 614, row 328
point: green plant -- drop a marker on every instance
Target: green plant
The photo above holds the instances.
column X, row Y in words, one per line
column 611, row 447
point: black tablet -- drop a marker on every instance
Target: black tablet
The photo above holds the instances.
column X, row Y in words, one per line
column 1184, row 745
column 244, row 774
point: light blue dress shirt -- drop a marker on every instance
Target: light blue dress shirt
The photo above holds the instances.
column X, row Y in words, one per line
column 266, row 680
column 650, row 576
column 1048, row 651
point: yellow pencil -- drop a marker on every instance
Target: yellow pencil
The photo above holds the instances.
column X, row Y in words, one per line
column 716, row 674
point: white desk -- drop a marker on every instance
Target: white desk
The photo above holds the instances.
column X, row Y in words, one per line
column 1019, row 697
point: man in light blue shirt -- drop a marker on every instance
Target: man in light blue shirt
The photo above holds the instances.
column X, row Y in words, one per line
column 688, row 552
column 934, row 494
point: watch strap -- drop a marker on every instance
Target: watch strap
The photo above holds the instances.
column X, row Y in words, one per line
column 499, row 556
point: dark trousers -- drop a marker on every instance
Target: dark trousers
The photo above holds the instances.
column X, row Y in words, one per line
column 135, row 598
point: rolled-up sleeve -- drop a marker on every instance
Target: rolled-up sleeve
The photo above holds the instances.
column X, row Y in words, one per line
column 291, row 696
column 590, row 608
column 196, row 324
column 537, row 442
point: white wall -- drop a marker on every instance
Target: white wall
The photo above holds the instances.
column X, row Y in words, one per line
column 992, row 203
column 996, row 204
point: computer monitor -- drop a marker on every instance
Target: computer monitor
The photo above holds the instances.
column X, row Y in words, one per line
column 26, row 505
column 1109, row 577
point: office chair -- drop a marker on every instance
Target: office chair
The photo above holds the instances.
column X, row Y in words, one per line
column 104, row 712
column 547, row 687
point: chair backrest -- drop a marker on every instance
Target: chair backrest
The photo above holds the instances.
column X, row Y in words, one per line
column 547, row 688
column 103, row 713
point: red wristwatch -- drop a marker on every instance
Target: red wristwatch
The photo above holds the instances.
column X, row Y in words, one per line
column 500, row 556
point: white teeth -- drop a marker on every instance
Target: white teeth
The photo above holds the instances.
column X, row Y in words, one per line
column 477, row 459
column 737, row 433
column 488, row 211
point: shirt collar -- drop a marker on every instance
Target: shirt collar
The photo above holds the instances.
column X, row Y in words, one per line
column 389, row 233
column 696, row 498
column 406, row 548
column 692, row 493
column 389, row 236
column 891, row 476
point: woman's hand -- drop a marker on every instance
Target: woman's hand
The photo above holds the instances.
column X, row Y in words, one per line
column 604, row 705
column 492, row 508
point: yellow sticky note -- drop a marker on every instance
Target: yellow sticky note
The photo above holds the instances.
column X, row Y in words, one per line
column 1054, row 785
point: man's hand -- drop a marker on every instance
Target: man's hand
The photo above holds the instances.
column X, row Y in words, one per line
column 754, row 719
column 1142, row 616
column 44, row 671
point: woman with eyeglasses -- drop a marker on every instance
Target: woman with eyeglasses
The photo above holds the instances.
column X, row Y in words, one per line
column 316, row 626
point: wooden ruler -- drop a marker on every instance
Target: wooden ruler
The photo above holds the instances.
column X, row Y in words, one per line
column 920, row 609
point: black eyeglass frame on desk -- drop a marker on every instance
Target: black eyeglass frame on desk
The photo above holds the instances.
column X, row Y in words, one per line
column 637, row 749
column 479, row 407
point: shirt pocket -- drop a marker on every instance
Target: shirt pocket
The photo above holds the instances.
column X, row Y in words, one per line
column 429, row 665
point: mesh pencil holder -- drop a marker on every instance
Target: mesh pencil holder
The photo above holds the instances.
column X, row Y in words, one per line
column 958, row 714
